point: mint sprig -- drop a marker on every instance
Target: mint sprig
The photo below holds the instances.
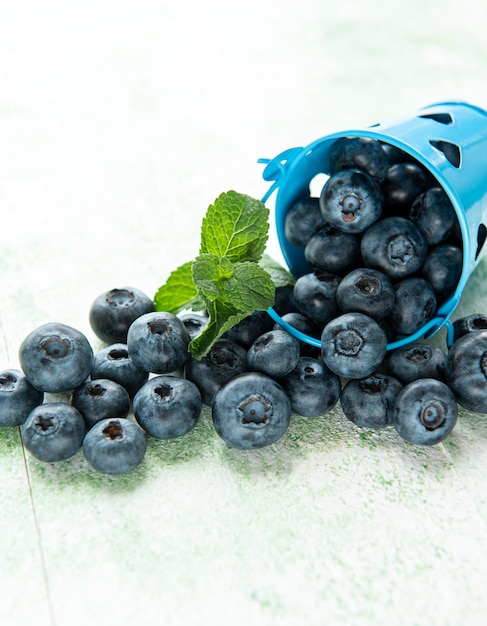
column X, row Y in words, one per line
column 228, row 278
column 235, row 227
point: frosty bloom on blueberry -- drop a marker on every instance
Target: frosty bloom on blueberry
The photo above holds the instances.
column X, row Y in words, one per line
column 100, row 398
column 113, row 363
column 364, row 153
column 353, row 345
column 113, row 311
column 17, row 397
column 167, row 407
column 158, row 342
column 425, row 411
column 333, row 250
column 114, row 446
column 351, row 200
column 225, row 360
column 368, row 291
column 274, row 353
column 418, row 360
column 251, row 411
column 56, row 357
column 415, row 305
column 368, row 402
column 315, row 296
column 53, row 432
column 466, row 370
column 394, row 246
column 469, row 324
column 434, row 215
column 302, row 220
column 312, row 388
column 442, row 268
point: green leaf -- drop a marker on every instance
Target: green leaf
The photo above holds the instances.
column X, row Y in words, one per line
column 281, row 277
column 178, row 292
column 236, row 227
column 250, row 288
column 204, row 274
column 222, row 317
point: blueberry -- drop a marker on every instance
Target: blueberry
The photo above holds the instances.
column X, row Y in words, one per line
column 442, row 268
column 17, row 397
column 56, row 357
column 333, row 250
column 395, row 154
column 394, row 246
column 369, row 402
column 312, row 388
column 274, row 353
column 367, row 291
column 305, row 325
column 386, row 326
column 100, row 398
column 251, row 411
column 315, row 296
column 158, row 342
column 434, row 215
column 415, row 305
column 112, row 312
column 167, row 407
column 364, row 153
column 353, row 345
column 469, row 324
column 115, row 446
column 456, row 236
column 425, row 411
column 284, row 300
column 403, row 184
column 247, row 330
column 194, row 323
column 113, row 362
column 225, row 360
column 414, row 361
column 53, row 432
column 466, row 370
column 351, row 200
column 302, row 220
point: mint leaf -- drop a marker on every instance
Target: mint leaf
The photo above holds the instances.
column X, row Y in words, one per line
column 222, row 316
column 204, row 275
column 281, row 277
column 236, row 227
column 231, row 292
column 179, row 292
column 250, row 288
column 246, row 286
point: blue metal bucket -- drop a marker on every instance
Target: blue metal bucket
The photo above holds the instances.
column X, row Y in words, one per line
column 449, row 139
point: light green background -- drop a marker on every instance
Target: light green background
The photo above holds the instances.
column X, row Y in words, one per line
column 120, row 121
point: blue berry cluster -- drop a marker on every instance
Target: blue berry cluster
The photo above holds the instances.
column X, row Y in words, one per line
column 253, row 378
column 382, row 239
column 384, row 245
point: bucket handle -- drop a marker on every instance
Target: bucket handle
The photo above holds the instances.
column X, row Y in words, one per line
column 276, row 169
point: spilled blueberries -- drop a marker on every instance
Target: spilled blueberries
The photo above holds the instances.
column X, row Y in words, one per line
column 385, row 252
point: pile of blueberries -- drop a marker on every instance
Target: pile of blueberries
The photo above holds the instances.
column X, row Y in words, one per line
column 384, row 246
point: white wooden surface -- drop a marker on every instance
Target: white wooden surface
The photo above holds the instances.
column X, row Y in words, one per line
column 120, row 121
